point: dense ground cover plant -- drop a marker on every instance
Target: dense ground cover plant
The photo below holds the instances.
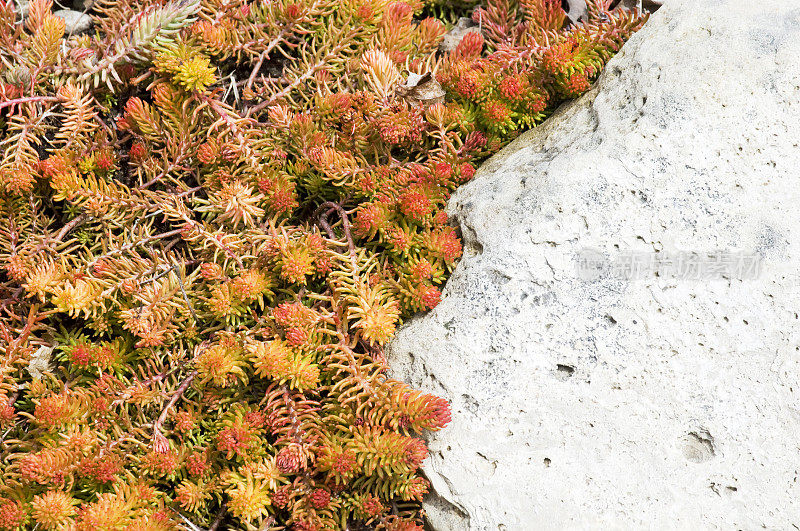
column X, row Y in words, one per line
column 213, row 216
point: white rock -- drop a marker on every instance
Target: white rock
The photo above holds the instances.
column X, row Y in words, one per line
column 652, row 403
column 21, row 7
column 39, row 364
column 453, row 37
column 576, row 10
column 76, row 22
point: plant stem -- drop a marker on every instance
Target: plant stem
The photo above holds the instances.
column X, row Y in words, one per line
column 29, row 99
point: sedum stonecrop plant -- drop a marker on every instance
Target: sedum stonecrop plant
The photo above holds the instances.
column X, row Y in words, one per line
column 213, row 216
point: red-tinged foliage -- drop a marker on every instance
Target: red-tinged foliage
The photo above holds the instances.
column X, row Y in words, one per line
column 213, row 217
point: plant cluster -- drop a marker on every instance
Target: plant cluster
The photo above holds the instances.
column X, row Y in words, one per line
column 213, row 216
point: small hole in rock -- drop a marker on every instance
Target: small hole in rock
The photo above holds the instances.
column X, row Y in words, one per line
column 546, row 462
column 565, row 371
column 698, row 446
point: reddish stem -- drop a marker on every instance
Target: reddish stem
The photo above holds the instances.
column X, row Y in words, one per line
column 28, row 99
column 323, row 219
column 69, row 226
column 157, row 436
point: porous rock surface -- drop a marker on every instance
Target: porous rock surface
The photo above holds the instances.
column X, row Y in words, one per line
column 606, row 402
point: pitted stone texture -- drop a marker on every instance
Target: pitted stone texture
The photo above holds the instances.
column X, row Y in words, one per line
column 656, row 403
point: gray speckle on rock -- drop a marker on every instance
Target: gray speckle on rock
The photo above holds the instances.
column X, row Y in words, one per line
column 454, row 36
column 648, row 403
column 76, row 22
